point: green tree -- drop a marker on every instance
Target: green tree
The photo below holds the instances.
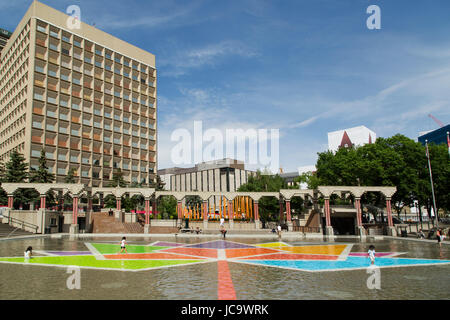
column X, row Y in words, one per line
column 3, row 194
column 70, row 177
column 396, row 161
column 167, row 205
column 269, row 207
column 158, row 184
column 117, row 179
column 440, row 167
column 16, row 168
column 41, row 175
column 17, row 172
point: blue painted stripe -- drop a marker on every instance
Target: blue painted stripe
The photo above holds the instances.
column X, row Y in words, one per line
column 350, row 263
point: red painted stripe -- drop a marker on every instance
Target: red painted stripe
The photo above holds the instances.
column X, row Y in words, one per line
column 225, row 287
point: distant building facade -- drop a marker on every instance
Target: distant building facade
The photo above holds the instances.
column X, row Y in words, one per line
column 437, row 136
column 4, row 37
column 357, row 136
column 225, row 175
column 85, row 97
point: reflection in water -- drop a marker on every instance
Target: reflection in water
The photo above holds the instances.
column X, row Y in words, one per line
column 200, row 281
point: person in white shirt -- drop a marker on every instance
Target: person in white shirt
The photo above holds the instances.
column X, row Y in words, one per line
column 28, row 253
column 123, row 244
column 222, row 221
column 371, row 254
column 279, row 231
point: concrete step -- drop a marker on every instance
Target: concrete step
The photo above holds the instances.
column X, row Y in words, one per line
column 5, row 231
column 103, row 223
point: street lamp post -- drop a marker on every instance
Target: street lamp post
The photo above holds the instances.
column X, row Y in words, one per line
column 432, row 187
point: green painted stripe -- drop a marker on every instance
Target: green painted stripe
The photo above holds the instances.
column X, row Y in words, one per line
column 110, row 248
column 90, row 261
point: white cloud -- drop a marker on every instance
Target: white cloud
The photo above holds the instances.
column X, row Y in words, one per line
column 179, row 60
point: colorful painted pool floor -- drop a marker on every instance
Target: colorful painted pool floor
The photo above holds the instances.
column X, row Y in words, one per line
column 311, row 258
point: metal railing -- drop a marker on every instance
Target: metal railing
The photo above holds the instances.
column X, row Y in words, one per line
column 22, row 223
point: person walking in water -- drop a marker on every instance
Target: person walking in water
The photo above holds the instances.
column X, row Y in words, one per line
column 123, row 245
column 371, row 254
column 28, row 253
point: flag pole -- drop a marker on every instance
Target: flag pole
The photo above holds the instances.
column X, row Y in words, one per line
column 448, row 143
column 432, row 187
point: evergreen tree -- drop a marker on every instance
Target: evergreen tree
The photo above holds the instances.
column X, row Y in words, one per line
column 117, row 179
column 3, row 195
column 16, row 168
column 17, row 172
column 42, row 175
column 70, row 178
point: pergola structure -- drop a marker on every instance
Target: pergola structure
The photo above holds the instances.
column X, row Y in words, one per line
column 230, row 196
column 284, row 196
column 118, row 192
column 357, row 192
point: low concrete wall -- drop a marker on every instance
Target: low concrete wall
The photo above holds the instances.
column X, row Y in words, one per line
column 163, row 223
column 215, row 225
column 40, row 218
column 130, row 217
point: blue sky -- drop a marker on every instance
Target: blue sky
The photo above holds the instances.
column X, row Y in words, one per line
column 304, row 67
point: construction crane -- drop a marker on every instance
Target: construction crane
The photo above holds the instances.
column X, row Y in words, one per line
column 440, row 124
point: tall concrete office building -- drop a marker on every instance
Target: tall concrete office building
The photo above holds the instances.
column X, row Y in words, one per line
column 225, row 175
column 4, row 37
column 85, row 97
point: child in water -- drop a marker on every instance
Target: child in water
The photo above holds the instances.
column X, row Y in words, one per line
column 371, row 253
column 123, row 244
column 28, row 253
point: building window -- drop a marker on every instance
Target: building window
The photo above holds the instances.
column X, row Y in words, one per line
column 35, row 153
column 37, row 125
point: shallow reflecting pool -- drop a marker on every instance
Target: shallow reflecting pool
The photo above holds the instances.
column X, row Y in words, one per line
column 200, row 268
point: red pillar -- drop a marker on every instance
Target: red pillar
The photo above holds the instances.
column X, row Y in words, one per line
column 230, row 210
column 147, row 211
column 75, row 211
column 389, row 212
column 358, row 212
column 288, row 210
column 89, row 204
column 205, row 210
column 10, row 201
column 179, row 209
column 327, row 212
column 42, row 201
column 256, row 210
column 119, row 203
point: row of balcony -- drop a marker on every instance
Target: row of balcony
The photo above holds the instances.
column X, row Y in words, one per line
column 87, row 46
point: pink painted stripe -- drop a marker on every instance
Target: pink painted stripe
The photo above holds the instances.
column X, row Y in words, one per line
column 225, row 287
